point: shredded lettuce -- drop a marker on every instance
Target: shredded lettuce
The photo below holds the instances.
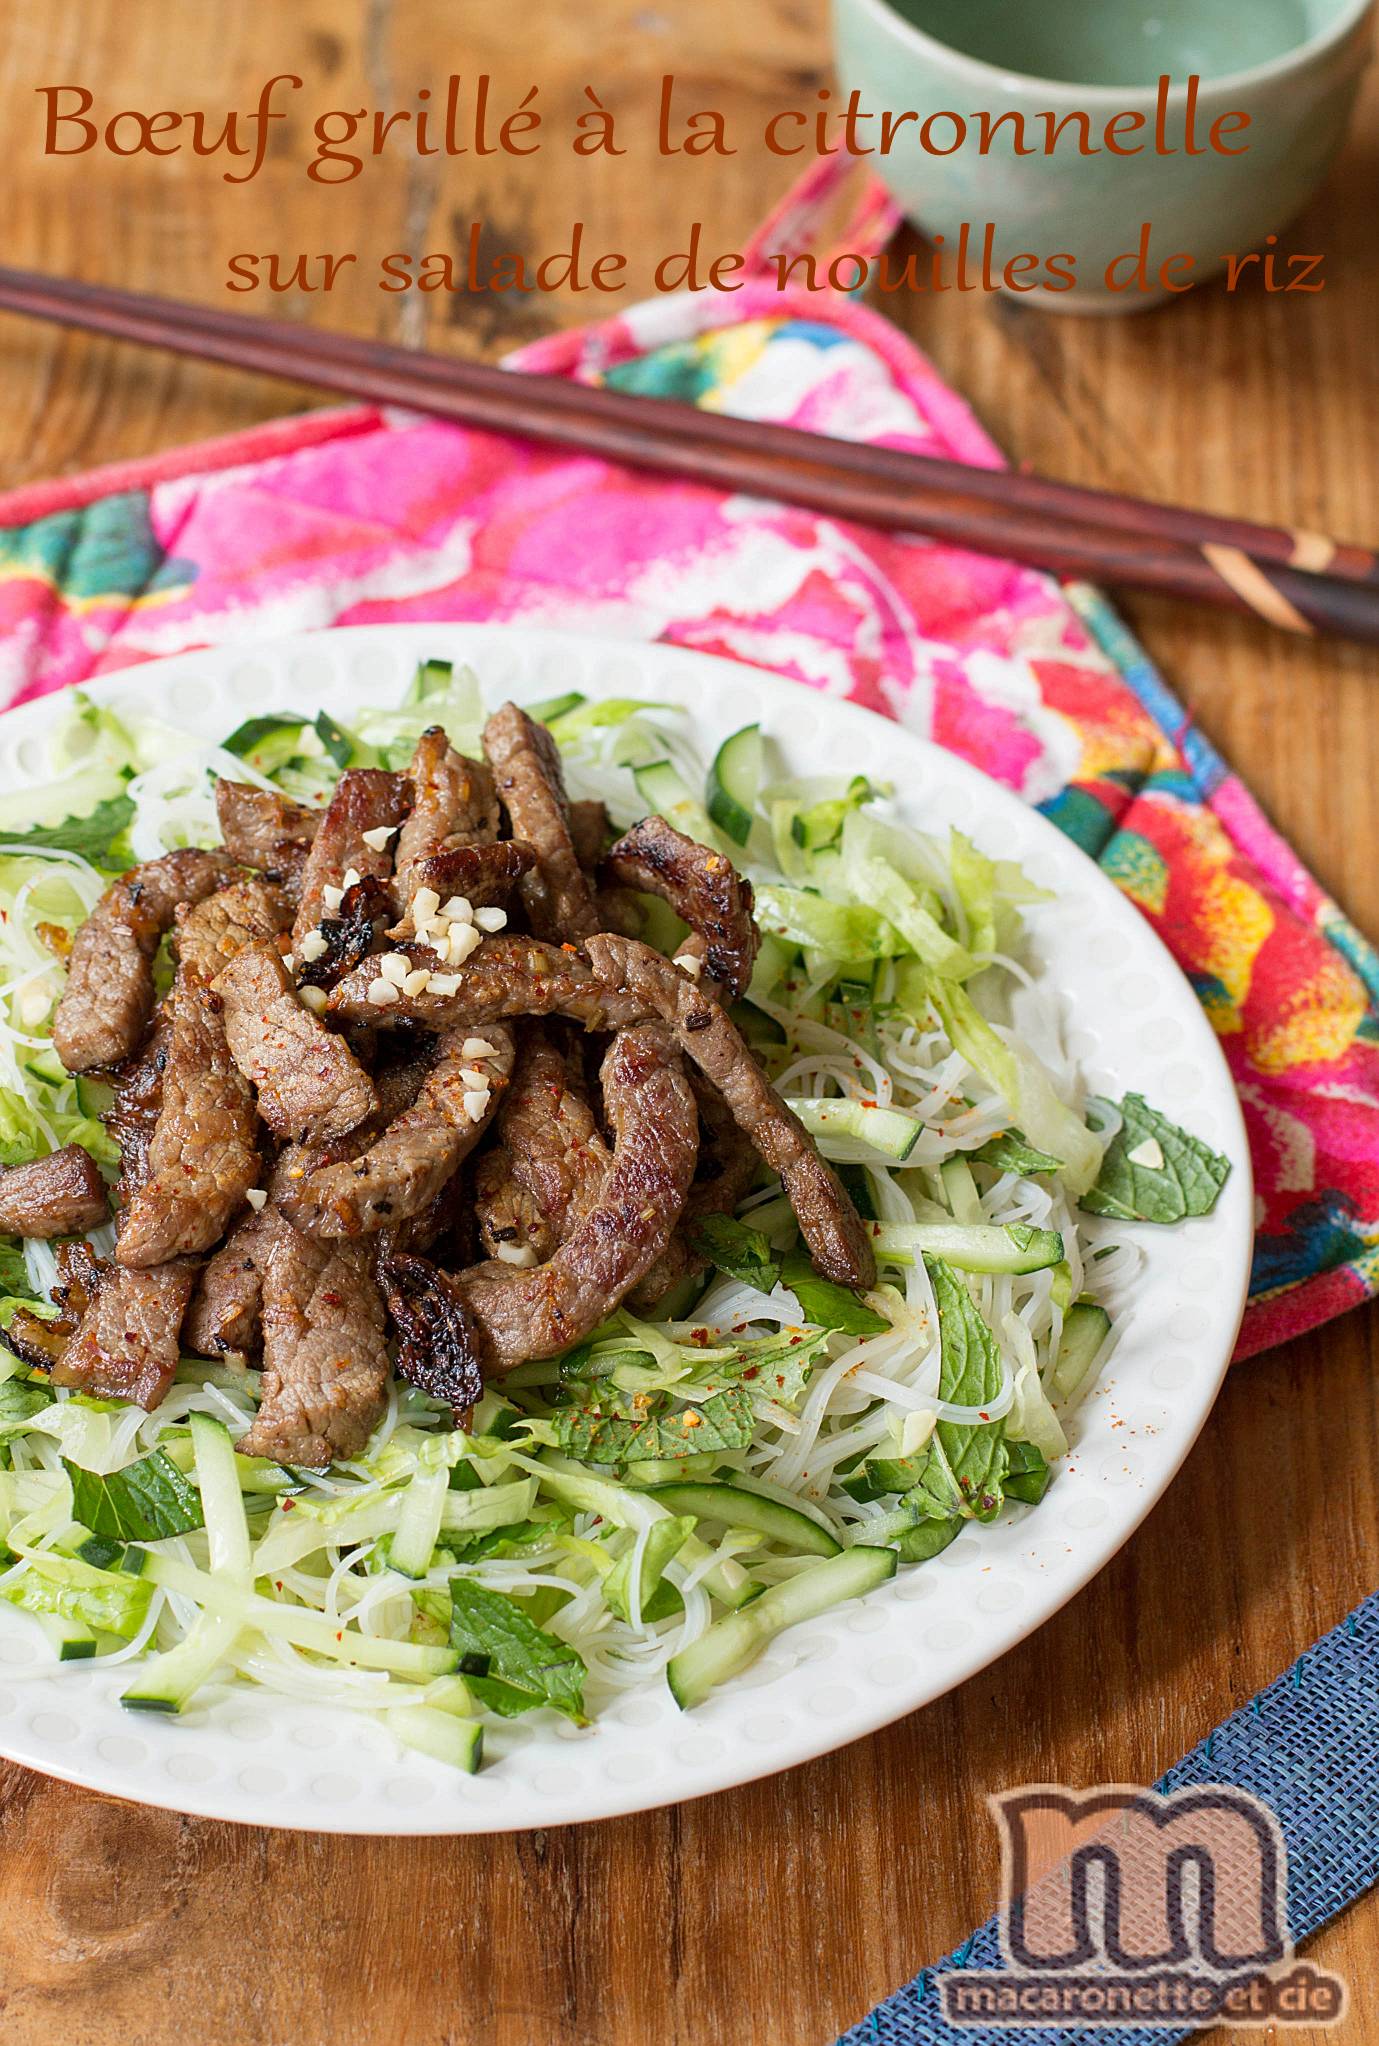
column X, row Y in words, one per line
column 1023, row 1084
column 107, row 1601
column 991, row 893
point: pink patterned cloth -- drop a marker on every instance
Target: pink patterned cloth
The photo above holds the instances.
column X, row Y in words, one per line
column 357, row 517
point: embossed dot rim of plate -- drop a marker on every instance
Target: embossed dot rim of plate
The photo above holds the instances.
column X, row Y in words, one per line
column 856, row 1668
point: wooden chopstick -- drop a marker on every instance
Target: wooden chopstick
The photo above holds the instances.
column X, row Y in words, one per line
column 1302, row 583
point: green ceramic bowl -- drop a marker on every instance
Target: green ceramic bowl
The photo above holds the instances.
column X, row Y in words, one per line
column 1293, row 65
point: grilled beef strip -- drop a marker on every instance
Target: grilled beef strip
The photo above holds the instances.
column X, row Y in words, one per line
column 325, row 1351
column 651, row 1110
column 727, row 1166
column 137, row 1096
column 109, row 993
column 447, row 1216
column 41, row 1341
column 505, row 1211
column 216, row 930
column 201, row 1155
column 127, row 1345
column 508, row 976
column 266, row 830
column 80, row 1273
column 223, row 1317
column 116, row 1336
column 225, row 1313
column 485, row 875
column 526, row 766
column 204, row 1153
column 60, row 1195
column 404, row 1169
column 438, row 1342
column 365, row 799
column 622, row 982
column 829, row 1223
column 309, row 1082
column 590, row 832
column 455, row 804
column 703, row 887
column 549, row 1162
column 37, row 1341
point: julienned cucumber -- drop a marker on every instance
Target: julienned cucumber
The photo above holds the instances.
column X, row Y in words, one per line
column 731, row 1643
column 460, row 1742
column 1085, row 1329
column 661, row 788
column 419, row 1522
column 217, row 1478
column 48, row 1067
column 884, row 1129
column 727, row 1581
column 973, row 1246
column 316, row 1632
column 495, row 1416
column 733, row 781
column 71, row 1639
column 552, row 707
column 736, row 1507
column 172, row 1679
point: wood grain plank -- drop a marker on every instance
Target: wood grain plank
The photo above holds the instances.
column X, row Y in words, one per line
column 780, row 1912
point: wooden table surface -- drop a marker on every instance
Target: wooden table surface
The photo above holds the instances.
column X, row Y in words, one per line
column 783, row 1911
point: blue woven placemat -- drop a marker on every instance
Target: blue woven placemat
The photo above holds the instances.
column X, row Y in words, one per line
column 1308, row 1746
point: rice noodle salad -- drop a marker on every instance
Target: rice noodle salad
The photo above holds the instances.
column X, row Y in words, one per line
column 660, row 1500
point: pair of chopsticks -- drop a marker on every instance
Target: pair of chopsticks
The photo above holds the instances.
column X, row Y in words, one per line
column 1300, row 581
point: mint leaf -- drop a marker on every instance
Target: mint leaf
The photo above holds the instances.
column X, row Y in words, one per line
column 742, row 1252
column 595, row 1435
column 143, row 1502
column 92, row 836
column 967, row 1461
column 1154, row 1171
column 1011, row 1151
column 508, row 1661
column 930, row 1538
column 826, row 1305
column 773, row 1367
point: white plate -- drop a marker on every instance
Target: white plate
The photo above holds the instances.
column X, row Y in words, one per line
column 1135, row 1024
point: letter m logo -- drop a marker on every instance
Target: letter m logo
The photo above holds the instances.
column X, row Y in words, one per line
column 1121, row 1878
